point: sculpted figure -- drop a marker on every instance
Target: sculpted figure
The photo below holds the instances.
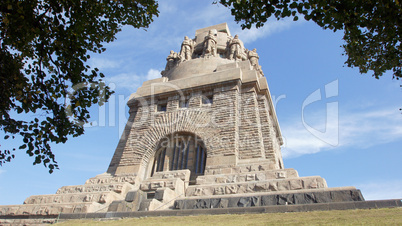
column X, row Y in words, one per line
column 236, row 51
column 253, row 57
column 260, row 70
column 172, row 61
column 187, row 49
column 210, row 44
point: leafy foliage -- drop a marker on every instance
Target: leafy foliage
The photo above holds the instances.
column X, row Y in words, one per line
column 372, row 28
column 45, row 45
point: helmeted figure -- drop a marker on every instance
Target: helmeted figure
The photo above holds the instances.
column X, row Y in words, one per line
column 172, row 61
column 210, row 42
column 236, row 51
column 187, row 49
column 253, row 57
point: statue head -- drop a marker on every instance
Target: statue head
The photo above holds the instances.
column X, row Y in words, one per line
column 185, row 38
column 171, row 51
column 236, row 36
column 254, row 50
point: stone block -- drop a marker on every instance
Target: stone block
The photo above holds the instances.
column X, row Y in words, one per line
column 273, row 186
column 231, row 189
column 281, row 174
column 249, row 201
column 156, row 184
column 365, row 205
column 286, row 199
column 295, row 184
column 179, row 204
column 341, row 206
column 250, row 177
column 283, row 185
column 117, row 206
column 151, row 205
column 387, row 203
column 322, row 197
column 304, row 198
column 233, row 202
column 215, row 203
column 357, row 195
column 260, row 176
column 220, row 190
column 203, row 204
column 341, row 196
column 135, row 197
column 310, row 183
column 190, row 204
column 269, row 200
column 165, row 195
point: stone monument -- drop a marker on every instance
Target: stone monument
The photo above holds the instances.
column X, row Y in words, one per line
column 203, row 135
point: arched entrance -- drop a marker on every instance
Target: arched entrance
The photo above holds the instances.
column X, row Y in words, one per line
column 181, row 151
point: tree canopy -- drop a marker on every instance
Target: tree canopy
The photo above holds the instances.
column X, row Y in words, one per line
column 372, row 28
column 45, row 45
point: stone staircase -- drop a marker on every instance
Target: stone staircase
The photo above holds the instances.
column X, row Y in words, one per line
column 94, row 196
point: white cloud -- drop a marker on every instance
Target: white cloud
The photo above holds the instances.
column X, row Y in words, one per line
column 153, row 74
column 382, row 190
column 361, row 129
column 125, row 80
column 271, row 26
column 2, row 171
column 102, row 63
column 131, row 81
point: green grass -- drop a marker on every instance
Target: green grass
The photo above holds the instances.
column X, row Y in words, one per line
column 391, row 216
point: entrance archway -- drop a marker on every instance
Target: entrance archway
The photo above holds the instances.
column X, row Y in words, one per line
column 181, row 151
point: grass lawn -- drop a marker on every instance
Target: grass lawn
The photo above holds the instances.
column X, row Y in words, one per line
column 392, row 216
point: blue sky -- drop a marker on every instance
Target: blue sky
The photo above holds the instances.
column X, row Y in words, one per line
column 336, row 123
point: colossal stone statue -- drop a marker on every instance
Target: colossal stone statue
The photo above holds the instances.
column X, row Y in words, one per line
column 172, row 61
column 236, row 50
column 210, row 44
column 187, row 49
column 253, row 57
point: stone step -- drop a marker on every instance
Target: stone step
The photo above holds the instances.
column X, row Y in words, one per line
column 247, row 176
column 52, row 208
column 121, row 188
column 314, row 182
column 154, row 184
column 326, row 195
column 181, row 174
column 109, row 179
column 244, row 168
column 84, row 197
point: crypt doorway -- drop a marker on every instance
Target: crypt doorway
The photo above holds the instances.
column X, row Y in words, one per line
column 180, row 151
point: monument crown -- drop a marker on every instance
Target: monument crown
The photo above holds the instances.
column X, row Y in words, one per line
column 212, row 47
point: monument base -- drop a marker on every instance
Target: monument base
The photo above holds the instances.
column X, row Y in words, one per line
column 329, row 195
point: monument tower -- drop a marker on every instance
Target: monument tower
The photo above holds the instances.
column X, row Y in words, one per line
column 203, row 135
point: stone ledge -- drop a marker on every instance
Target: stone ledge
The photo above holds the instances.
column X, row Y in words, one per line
column 273, row 185
column 372, row 204
column 122, row 187
column 242, row 176
column 375, row 204
column 85, row 197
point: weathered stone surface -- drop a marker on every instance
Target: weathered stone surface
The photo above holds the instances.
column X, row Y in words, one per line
column 339, row 196
column 264, row 199
column 269, row 200
column 322, row 197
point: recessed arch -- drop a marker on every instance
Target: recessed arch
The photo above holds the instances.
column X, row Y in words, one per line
column 180, row 150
